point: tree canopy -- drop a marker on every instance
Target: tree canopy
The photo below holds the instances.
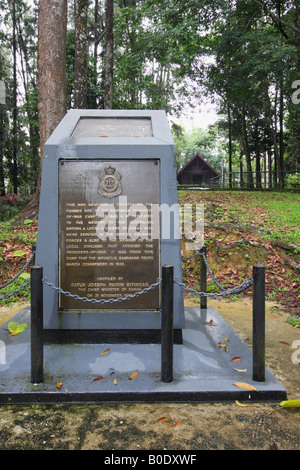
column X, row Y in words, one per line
column 156, row 54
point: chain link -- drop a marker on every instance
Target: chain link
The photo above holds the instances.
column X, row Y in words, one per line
column 222, row 288
column 19, row 274
column 7, row 296
column 235, row 290
column 186, row 258
column 16, row 291
column 211, row 274
column 101, row 301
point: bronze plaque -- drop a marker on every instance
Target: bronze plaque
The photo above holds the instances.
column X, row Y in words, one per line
column 108, row 237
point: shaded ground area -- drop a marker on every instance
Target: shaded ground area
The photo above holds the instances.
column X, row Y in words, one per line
column 203, row 426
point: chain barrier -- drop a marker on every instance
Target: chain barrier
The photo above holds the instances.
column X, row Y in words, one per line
column 101, row 301
column 16, row 291
column 235, row 290
column 7, row 296
column 199, row 253
column 186, row 258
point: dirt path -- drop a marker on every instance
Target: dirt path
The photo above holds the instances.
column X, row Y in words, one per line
column 6, row 313
column 188, row 427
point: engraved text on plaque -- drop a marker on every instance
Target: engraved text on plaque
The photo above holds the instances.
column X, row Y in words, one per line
column 107, row 249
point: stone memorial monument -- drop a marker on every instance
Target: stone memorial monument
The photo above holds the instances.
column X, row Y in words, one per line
column 108, row 221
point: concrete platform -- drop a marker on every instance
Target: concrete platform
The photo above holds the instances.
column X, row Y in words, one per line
column 203, row 371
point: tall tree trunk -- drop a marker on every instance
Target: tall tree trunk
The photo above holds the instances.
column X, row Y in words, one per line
column 257, row 158
column 281, row 107
column 246, row 151
column 96, row 44
column 51, row 65
column 32, row 114
column 96, row 32
column 2, row 183
column 52, row 31
column 80, row 67
column 109, row 63
column 241, row 170
column 270, row 174
column 99, row 33
column 281, row 150
column 15, row 111
column 229, row 148
column 274, row 133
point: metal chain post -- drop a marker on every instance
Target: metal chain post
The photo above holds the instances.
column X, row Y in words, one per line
column 37, row 324
column 203, row 278
column 258, row 327
column 167, row 333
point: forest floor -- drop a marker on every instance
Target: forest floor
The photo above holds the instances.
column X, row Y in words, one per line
column 241, row 229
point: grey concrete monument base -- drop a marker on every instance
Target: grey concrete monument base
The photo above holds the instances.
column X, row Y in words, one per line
column 203, row 371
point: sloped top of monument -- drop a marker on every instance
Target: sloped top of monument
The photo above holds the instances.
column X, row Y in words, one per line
column 101, row 126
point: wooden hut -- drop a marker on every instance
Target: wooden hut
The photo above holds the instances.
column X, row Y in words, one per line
column 196, row 172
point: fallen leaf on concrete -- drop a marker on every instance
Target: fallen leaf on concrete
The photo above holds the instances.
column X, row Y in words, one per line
column 210, row 322
column 245, row 386
column 223, row 345
column 133, row 375
column 236, row 358
column 160, row 420
column 58, row 384
column 226, row 339
column 15, row 328
column 115, row 382
column 98, row 378
column 105, row 352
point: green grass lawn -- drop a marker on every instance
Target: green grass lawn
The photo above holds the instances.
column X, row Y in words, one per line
column 244, row 228
column 277, row 215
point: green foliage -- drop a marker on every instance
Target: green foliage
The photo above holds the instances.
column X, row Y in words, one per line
column 10, row 206
column 19, row 135
column 256, row 61
column 23, row 295
column 168, row 55
column 293, row 180
column 294, row 321
column 156, row 43
column 208, row 143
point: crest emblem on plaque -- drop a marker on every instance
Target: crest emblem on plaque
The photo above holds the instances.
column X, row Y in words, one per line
column 110, row 183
